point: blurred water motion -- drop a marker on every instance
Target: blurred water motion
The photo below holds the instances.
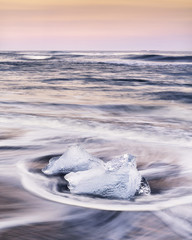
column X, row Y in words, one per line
column 111, row 103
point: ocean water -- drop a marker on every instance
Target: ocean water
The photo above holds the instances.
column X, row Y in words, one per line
column 111, row 103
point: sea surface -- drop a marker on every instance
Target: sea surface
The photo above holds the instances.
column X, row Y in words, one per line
column 110, row 103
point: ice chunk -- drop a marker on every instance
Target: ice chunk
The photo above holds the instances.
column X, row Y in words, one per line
column 73, row 160
column 144, row 188
column 126, row 160
column 119, row 179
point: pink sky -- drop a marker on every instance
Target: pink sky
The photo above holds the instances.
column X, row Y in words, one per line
column 95, row 25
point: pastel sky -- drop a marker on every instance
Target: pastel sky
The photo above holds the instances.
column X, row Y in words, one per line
column 95, row 24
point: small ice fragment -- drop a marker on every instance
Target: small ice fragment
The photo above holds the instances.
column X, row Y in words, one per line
column 73, row 160
column 144, row 187
column 121, row 162
column 118, row 179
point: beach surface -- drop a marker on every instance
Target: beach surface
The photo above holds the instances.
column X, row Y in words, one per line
column 110, row 103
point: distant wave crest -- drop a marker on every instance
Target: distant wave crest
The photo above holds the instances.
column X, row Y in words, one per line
column 157, row 57
column 37, row 57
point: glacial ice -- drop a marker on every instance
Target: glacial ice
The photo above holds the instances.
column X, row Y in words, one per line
column 144, row 188
column 118, row 179
column 88, row 175
column 73, row 160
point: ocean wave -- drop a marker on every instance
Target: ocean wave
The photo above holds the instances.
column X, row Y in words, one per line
column 184, row 97
column 158, row 57
column 36, row 57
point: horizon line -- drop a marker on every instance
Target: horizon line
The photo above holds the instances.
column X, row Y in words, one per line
column 91, row 50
